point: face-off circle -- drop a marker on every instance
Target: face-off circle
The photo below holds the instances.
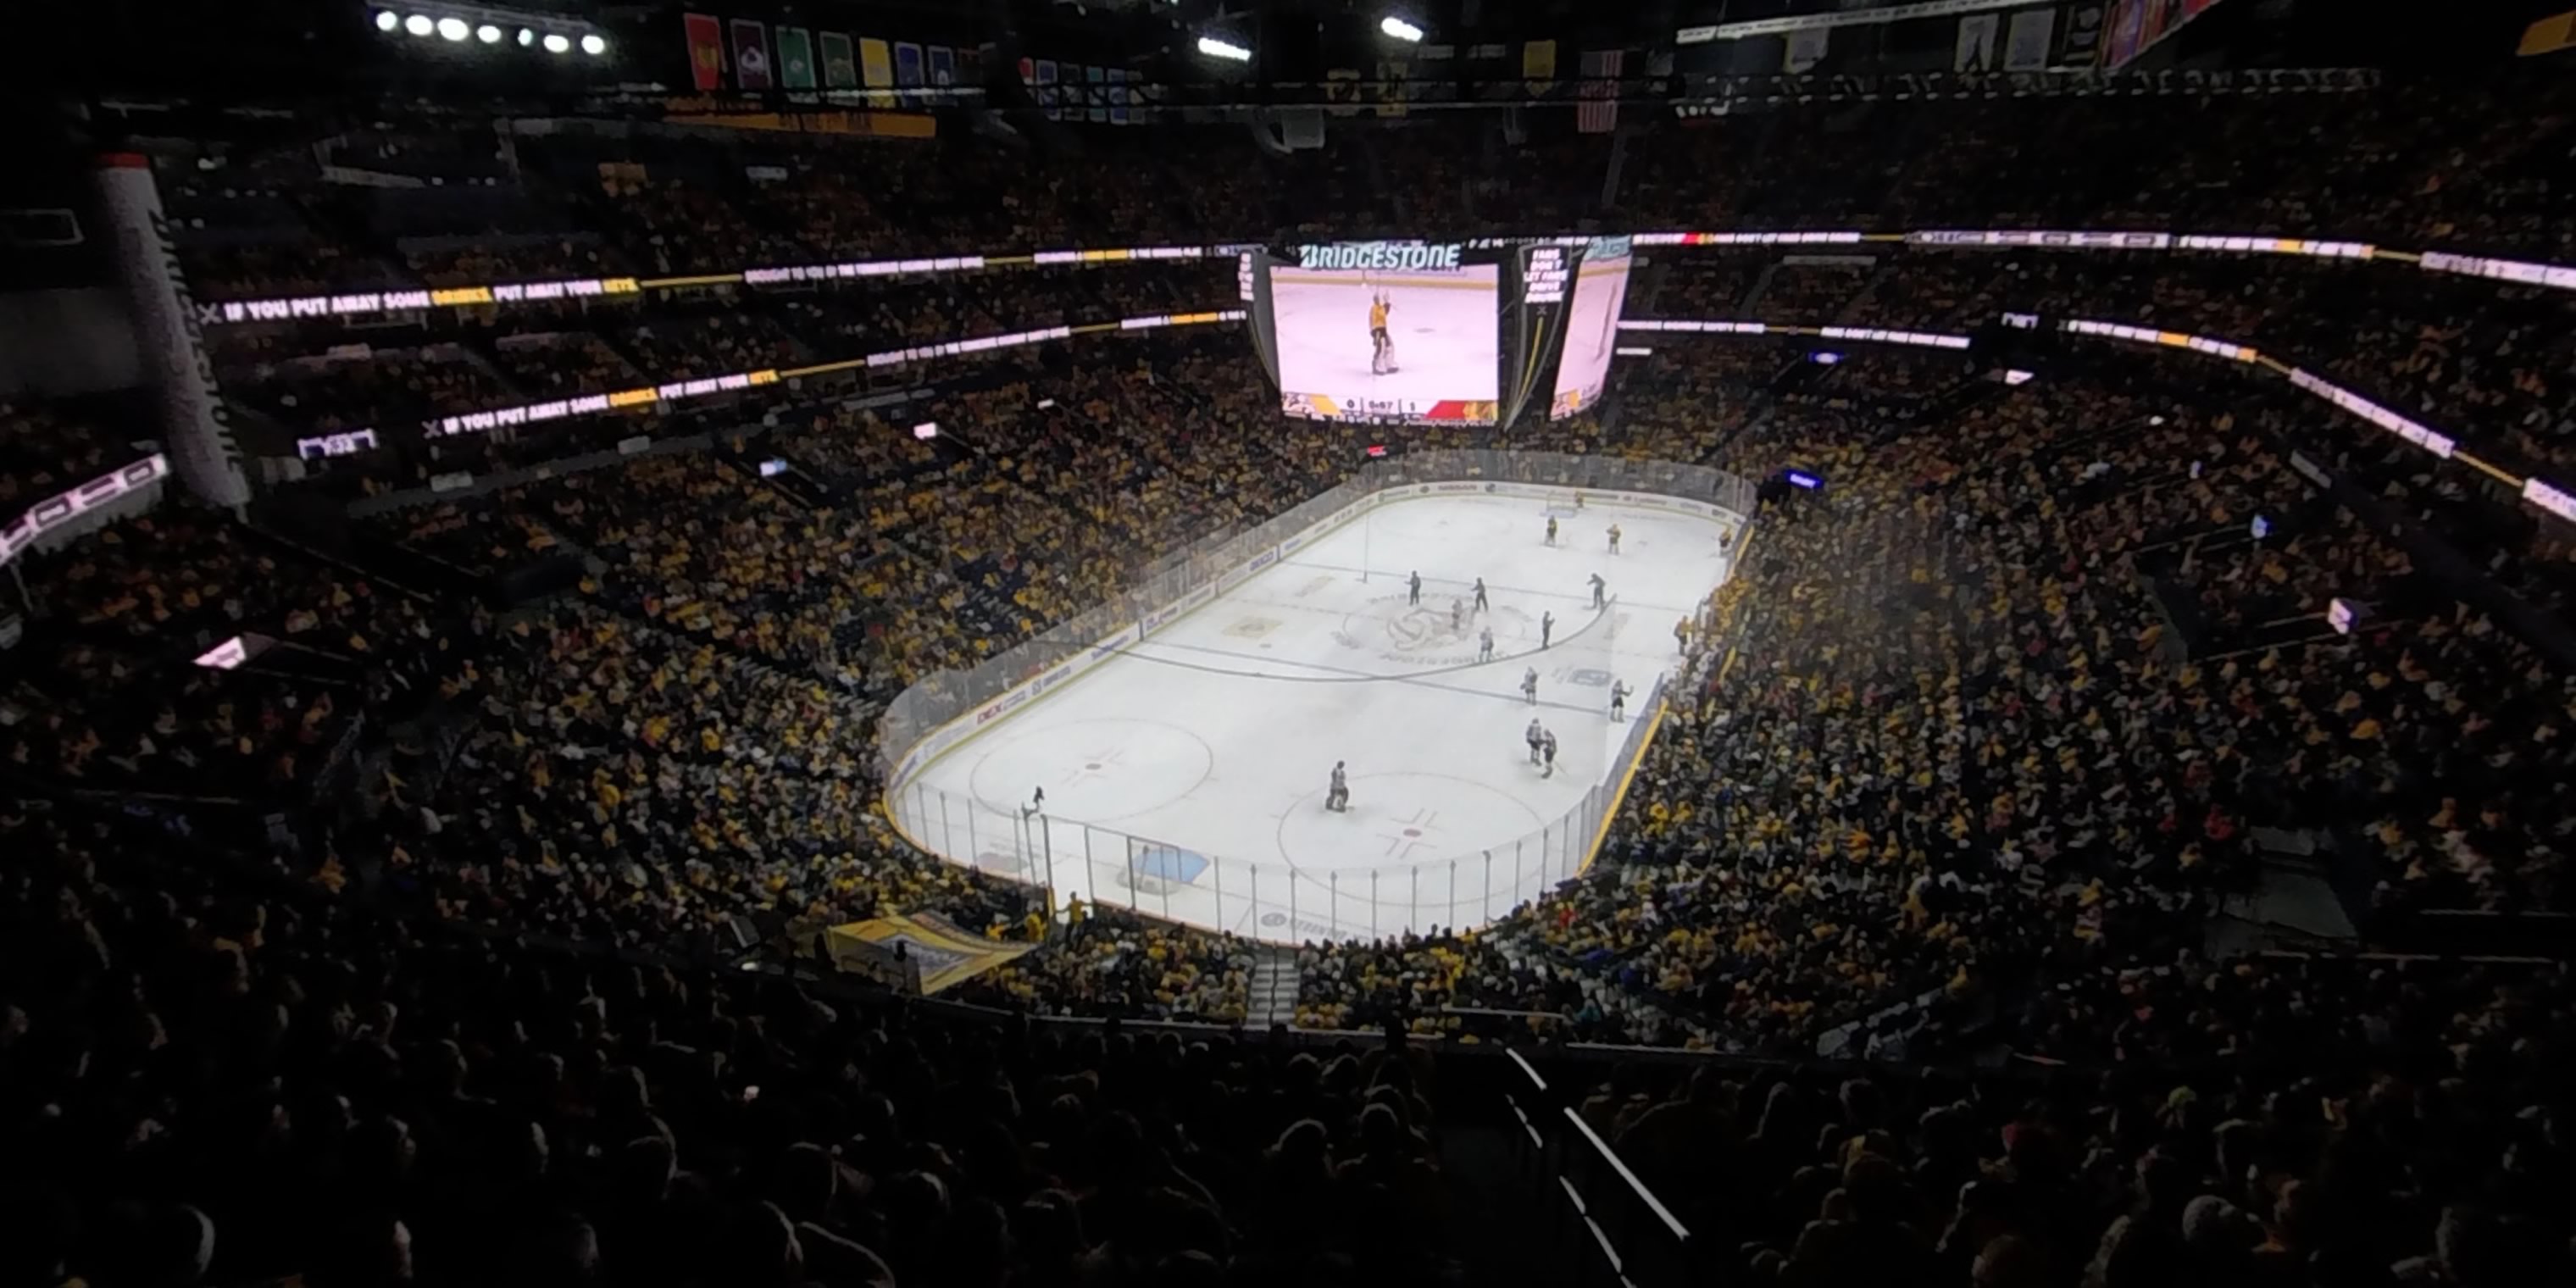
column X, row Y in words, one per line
column 1397, row 822
column 1097, row 771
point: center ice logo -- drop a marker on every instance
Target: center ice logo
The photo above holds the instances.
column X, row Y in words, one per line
column 1423, row 634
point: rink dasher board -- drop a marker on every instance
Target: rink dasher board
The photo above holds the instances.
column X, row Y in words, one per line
column 958, row 732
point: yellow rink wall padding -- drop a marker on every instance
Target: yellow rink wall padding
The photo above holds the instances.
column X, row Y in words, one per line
column 947, row 954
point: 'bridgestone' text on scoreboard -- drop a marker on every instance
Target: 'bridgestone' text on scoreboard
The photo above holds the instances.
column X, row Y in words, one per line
column 1391, row 256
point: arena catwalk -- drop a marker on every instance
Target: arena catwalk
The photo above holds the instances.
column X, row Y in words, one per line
column 1190, row 777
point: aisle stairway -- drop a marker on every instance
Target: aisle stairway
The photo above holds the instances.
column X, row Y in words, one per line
column 1273, row 988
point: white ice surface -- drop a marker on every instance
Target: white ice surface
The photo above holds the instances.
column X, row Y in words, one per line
column 1187, row 778
column 1447, row 339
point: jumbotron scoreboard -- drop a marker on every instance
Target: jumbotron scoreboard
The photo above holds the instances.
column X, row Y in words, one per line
column 1433, row 333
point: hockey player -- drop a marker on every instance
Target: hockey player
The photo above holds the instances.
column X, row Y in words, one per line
column 1036, row 805
column 1457, row 614
column 1598, row 586
column 1551, row 529
column 1533, row 738
column 1618, row 699
column 1529, row 685
column 1547, row 751
column 1614, row 538
column 1485, row 646
column 1546, row 628
column 1381, row 349
column 1337, row 798
column 1481, row 605
column 1414, row 589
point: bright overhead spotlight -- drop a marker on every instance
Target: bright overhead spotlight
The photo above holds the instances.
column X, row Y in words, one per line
column 1215, row 48
column 526, row 37
column 558, row 43
column 594, row 45
column 388, row 21
column 453, row 29
column 1399, row 28
column 488, row 34
column 419, row 24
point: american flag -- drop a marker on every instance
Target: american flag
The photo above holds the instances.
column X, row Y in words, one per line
column 1598, row 113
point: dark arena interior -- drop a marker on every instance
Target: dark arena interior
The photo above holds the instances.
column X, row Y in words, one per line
column 1194, row 644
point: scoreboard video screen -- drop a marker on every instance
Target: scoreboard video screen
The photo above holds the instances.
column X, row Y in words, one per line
column 1405, row 332
column 1592, row 327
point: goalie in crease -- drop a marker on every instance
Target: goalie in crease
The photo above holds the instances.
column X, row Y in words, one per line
column 1381, row 349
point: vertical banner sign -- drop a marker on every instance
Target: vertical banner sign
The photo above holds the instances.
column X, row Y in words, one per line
column 2079, row 43
column 1394, row 77
column 840, row 64
column 193, row 418
column 750, row 54
column 1976, row 49
column 2027, row 40
column 1046, row 89
column 1342, row 89
column 1097, row 78
column 795, row 58
column 706, row 50
column 2127, row 37
column 1599, row 111
column 943, row 66
column 1804, row 49
column 970, row 66
column 1118, row 78
column 876, row 65
column 907, row 68
column 1538, row 64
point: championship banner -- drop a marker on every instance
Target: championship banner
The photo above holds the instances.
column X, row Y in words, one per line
column 1538, row 64
column 840, row 64
column 2027, row 40
column 1393, row 92
column 1804, row 48
column 706, row 50
column 795, row 58
column 750, row 54
column 943, row 65
column 1118, row 78
column 907, row 67
column 876, row 64
column 1977, row 48
column 1098, row 79
column 2079, row 43
column 1047, row 91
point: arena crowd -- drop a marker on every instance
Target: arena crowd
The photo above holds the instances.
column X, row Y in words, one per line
column 1976, row 746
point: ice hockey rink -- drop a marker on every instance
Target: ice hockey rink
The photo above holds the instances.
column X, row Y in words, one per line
column 1187, row 776
column 1445, row 330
